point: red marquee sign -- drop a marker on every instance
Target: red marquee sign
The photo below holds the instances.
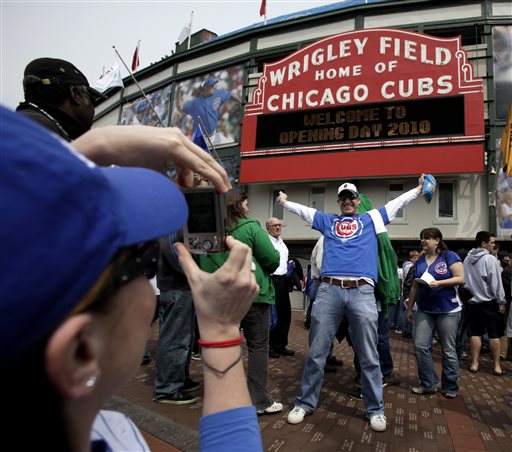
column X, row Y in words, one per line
column 404, row 101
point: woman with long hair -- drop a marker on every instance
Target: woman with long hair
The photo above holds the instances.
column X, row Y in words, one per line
column 256, row 324
column 437, row 274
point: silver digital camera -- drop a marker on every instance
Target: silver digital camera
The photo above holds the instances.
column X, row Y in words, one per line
column 205, row 231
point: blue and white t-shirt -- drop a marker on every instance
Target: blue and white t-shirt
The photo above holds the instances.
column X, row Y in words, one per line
column 208, row 108
column 442, row 299
column 350, row 244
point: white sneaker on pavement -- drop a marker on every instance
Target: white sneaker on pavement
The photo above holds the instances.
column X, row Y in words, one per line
column 276, row 407
column 296, row 416
column 378, row 422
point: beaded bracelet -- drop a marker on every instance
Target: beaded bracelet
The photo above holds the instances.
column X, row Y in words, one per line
column 221, row 344
column 222, row 372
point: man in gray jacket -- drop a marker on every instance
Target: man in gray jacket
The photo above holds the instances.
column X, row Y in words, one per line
column 483, row 277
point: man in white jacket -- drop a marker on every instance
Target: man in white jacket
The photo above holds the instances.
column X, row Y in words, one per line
column 483, row 277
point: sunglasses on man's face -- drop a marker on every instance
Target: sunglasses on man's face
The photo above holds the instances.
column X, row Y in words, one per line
column 346, row 197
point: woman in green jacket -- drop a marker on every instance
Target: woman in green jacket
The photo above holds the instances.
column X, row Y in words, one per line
column 256, row 323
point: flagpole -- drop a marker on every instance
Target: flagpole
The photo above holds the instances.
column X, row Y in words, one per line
column 138, row 86
column 190, row 30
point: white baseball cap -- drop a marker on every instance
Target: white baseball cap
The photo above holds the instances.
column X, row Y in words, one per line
column 348, row 187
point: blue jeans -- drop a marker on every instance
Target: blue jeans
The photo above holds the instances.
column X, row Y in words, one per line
column 446, row 325
column 403, row 324
column 359, row 306
column 175, row 341
column 385, row 358
column 462, row 331
column 393, row 315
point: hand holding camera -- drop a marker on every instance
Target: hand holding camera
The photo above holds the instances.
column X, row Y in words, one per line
column 205, row 231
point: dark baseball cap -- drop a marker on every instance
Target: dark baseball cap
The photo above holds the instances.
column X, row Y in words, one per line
column 56, row 72
column 65, row 219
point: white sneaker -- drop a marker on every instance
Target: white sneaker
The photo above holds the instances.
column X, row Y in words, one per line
column 378, row 422
column 276, row 407
column 296, row 416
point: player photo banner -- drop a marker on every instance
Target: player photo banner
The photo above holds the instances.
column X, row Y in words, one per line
column 140, row 112
column 213, row 99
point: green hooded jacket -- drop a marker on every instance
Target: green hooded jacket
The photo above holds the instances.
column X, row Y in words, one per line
column 264, row 255
column 388, row 285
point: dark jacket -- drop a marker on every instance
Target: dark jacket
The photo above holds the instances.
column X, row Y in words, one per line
column 58, row 122
column 506, row 279
column 170, row 275
column 264, row 255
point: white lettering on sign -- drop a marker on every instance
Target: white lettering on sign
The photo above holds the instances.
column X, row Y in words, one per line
column 411, row 50
column 417, row 87
column 319, row 56
column 388, row 45
column 316, row 98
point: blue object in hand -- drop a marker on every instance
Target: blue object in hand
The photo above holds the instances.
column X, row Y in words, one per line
column 429, row 187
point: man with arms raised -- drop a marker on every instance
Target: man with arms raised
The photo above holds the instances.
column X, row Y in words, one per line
column 348, row 276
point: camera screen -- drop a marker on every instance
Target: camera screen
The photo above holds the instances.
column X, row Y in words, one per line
column 201, row 212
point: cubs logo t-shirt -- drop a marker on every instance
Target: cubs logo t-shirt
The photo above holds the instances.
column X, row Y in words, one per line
column 441, row 299
column 350, row 244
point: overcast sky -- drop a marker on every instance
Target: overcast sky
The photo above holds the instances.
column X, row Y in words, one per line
column 83, row 32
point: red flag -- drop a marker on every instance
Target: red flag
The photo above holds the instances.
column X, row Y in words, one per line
column 135, row 59
column 263, row 8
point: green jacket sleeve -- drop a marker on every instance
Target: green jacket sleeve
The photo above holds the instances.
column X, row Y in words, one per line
column 263, row 250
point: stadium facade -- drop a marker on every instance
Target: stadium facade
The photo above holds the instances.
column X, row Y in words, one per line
column 370, row 92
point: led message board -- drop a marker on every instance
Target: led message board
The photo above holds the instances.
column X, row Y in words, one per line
column 388, row 94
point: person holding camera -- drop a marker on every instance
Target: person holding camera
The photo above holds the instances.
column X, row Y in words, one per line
column 80, row 336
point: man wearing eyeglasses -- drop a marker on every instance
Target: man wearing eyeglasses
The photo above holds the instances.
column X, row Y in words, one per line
column 348, row 276
column 279, row 335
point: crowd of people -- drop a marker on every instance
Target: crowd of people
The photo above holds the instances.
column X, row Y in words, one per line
column 107, row 222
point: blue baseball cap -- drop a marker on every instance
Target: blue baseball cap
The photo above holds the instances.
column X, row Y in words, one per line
column 209, row 82
column 140, row 107
column 64, row 219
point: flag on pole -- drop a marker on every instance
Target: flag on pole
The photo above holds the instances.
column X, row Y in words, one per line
column 263, row 8
column 184, row 34
column 135, row 59
column 506, row 144
column 110, row 79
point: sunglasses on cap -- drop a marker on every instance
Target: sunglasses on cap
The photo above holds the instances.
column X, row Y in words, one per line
column 127, row 265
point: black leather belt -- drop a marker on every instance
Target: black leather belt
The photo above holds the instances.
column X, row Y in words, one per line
column 344, row 283
column 278, row 276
